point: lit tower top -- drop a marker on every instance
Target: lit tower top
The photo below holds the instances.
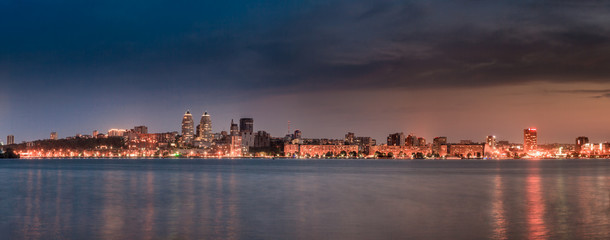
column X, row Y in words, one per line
column 234, row 128
column 187, row 127
column 530, row 139
column 205, row 127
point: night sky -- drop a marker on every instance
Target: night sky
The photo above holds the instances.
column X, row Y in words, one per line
column 461, row 69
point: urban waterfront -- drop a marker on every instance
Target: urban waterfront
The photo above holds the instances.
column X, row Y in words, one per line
column 304, row 199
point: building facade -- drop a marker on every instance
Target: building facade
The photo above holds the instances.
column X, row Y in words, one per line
column 188, row 128
column 530, row 139
column 246, row 125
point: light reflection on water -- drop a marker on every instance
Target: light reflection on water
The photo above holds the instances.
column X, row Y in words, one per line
column 313, row 199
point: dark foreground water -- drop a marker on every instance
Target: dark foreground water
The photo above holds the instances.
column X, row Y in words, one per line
column 304, row 199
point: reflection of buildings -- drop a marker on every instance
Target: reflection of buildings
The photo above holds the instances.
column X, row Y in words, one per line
column 498, row 212
column 537, row 228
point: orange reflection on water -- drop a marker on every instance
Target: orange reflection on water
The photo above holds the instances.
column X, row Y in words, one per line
column 537, row 228
column 498, row 211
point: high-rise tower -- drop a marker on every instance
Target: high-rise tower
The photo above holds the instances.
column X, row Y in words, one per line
column 187, row 128
column 234, row 128
column 205, row 128
column 246, row 125
column 530, row 139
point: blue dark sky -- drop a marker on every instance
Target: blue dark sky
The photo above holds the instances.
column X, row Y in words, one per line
column 462, row 69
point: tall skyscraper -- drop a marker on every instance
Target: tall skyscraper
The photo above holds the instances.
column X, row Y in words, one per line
column 205, row 128
column 53, row 135
column 530, row 139
column 246, row 125
column 234, row 129
column 10, row 139
column 580, row 141
column 188, row 127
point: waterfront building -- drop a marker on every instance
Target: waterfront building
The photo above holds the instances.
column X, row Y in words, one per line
column 411, row 140
column 466, row 150
column 421, row 141
column 188, row 127
column 10, row 139
column 235, row 146
column 205, row 128
column 530, row 139
column 490, row 142
column 580, row 141
column 350, row 138
column 262, row 139
column 437, row 142
column 246, row 125
column 53, row 135
column 399, row 151
column 320, row 150
column 396, row 139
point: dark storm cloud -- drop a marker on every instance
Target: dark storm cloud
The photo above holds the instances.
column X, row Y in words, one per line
column 307, row 45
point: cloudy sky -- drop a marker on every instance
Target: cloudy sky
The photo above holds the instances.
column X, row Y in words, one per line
column 461, row 69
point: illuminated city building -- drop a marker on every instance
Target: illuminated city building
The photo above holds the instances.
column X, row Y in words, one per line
column 141, row 129
column 396, row 139
column 235, row 146
column 490, row 142
column 411, row 140
column 53, row 135
column 188, row 132
column 530, row 139
column 421, row 141
column 466, row 150
column 437, row 142
column 246, row 125
column 95, row 133
column 234, row 129
column 398, row 151
column 350, row 137
column 10, row 139
column 580, row 141
column 205, row 128
column 319, row 150
column 116, row 132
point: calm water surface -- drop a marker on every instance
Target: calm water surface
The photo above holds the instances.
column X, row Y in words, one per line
column 304, row 199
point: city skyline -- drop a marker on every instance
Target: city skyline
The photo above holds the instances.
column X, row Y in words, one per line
column 191, row 132
column 436, row 68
